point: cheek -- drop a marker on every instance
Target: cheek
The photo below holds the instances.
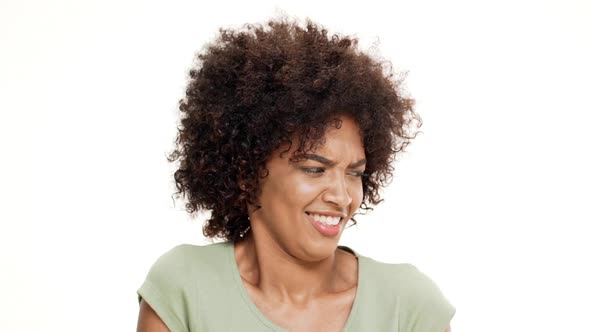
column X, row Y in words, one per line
column 302, row 192
column 292, row 190
column 357, row 195
column 305, row 188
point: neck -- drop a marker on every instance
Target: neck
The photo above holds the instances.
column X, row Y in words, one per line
column 280, row 276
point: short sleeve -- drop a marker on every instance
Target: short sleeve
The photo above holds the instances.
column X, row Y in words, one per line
column 428, row 308
column 163, row 289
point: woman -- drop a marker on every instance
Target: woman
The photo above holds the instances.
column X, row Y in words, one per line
column 286, row 133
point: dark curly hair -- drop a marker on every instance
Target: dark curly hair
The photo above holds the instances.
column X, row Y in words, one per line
column 256, row 88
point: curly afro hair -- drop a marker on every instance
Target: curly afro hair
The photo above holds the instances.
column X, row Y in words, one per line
column 262, row 86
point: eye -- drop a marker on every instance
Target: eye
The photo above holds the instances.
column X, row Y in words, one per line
column 313, row 170
column 358, row 174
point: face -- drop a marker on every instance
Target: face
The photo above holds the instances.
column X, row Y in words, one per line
column 300, row 200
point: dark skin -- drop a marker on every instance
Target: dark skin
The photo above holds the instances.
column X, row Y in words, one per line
column 303, row 312
column 306, row 316
column 256, row 88
column 300, row 277
column 148, row 320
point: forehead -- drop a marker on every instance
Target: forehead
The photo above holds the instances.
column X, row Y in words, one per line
column 341, row 139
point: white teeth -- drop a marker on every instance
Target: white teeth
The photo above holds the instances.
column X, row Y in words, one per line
column 326, row 220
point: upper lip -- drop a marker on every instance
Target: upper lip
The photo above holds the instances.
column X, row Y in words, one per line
column 328, row 213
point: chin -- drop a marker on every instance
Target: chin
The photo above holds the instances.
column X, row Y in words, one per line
column 320, row 250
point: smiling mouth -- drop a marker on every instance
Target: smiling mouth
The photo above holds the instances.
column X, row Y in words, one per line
column 325, row 219
column 328, row 226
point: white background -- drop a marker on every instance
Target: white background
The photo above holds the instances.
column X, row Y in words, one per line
column 491, row 201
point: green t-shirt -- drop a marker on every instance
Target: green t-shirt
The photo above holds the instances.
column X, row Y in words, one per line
column 199, row 288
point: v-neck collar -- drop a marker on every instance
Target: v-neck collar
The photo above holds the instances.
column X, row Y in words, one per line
column 267, row 322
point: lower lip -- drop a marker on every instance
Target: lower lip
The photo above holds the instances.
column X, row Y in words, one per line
column 325, row 230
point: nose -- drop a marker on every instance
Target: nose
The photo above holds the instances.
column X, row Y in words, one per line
column 337, row 192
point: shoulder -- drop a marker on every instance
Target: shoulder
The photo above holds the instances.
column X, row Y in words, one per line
column 191, row 251
column 171, row 286
column 186, row 261
column 406, row 279
column 390, row 276
column 422, row 304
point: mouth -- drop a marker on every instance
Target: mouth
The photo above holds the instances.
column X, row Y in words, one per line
column 325, row 224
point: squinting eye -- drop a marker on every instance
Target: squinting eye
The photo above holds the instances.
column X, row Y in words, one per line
column 313, row 170
column 358, row 174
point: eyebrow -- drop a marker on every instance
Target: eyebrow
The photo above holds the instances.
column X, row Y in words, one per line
column 328, row 162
